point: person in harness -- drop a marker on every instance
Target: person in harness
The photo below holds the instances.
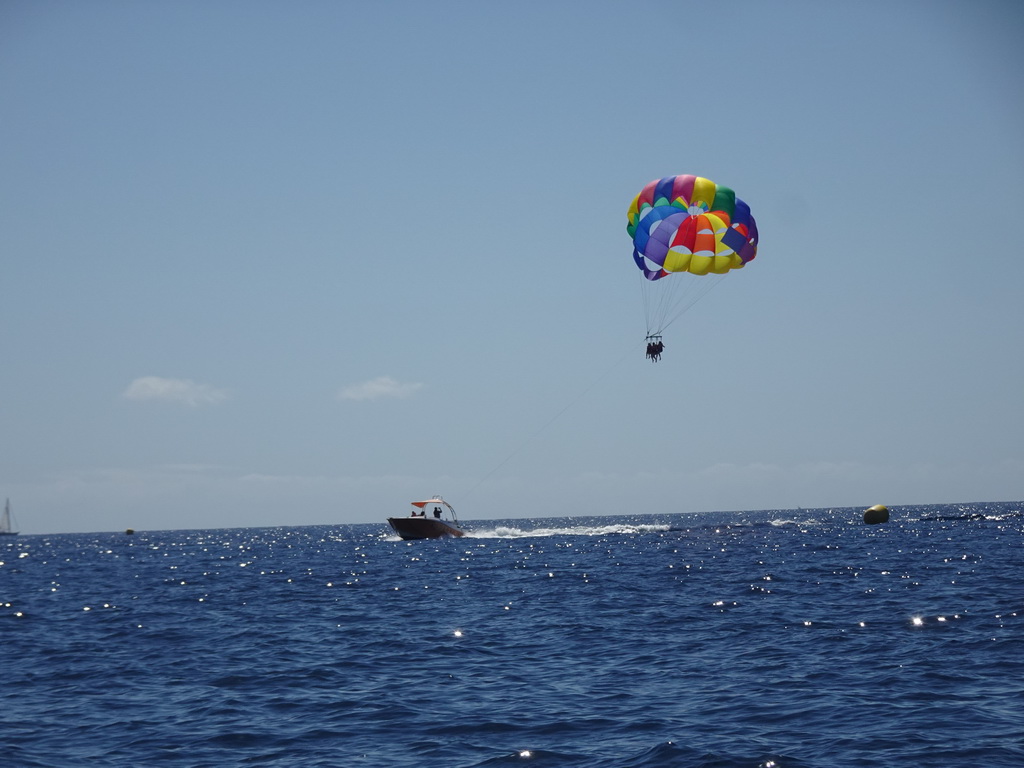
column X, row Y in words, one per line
column 655, row 347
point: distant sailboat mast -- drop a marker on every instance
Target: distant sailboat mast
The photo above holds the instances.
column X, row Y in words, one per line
column 5, row 521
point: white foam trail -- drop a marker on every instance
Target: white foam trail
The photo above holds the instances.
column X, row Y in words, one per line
column 780, row 522
column 504, row 532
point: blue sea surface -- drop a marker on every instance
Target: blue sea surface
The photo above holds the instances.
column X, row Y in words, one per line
column 771, row 639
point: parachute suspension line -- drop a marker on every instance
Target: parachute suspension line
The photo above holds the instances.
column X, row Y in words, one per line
column 543, row 427
column 667, row 299
column 692, row 297
column 659, row 298
column 645, row 296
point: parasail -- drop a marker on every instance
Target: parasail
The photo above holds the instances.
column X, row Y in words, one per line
column 686, row 224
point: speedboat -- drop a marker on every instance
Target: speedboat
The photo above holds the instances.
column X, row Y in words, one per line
column 433, row 518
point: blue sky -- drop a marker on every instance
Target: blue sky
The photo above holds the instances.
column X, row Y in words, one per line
column 268, row 263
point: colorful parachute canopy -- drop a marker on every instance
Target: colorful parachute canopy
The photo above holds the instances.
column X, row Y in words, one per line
column 690, row 224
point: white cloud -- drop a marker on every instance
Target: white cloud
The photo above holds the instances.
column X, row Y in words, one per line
column 174, row 390
column 383, row 386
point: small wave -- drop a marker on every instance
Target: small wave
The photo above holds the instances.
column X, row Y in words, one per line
column 544, row 757
column 967, row 516
column 664, row 754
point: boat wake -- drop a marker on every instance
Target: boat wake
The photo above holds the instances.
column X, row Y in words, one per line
column 509, row 532
column 778, row 522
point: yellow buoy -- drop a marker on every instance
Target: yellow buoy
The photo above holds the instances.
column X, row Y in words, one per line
column 876, row 514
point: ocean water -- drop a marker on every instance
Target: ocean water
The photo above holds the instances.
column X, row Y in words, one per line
column 782, row 639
